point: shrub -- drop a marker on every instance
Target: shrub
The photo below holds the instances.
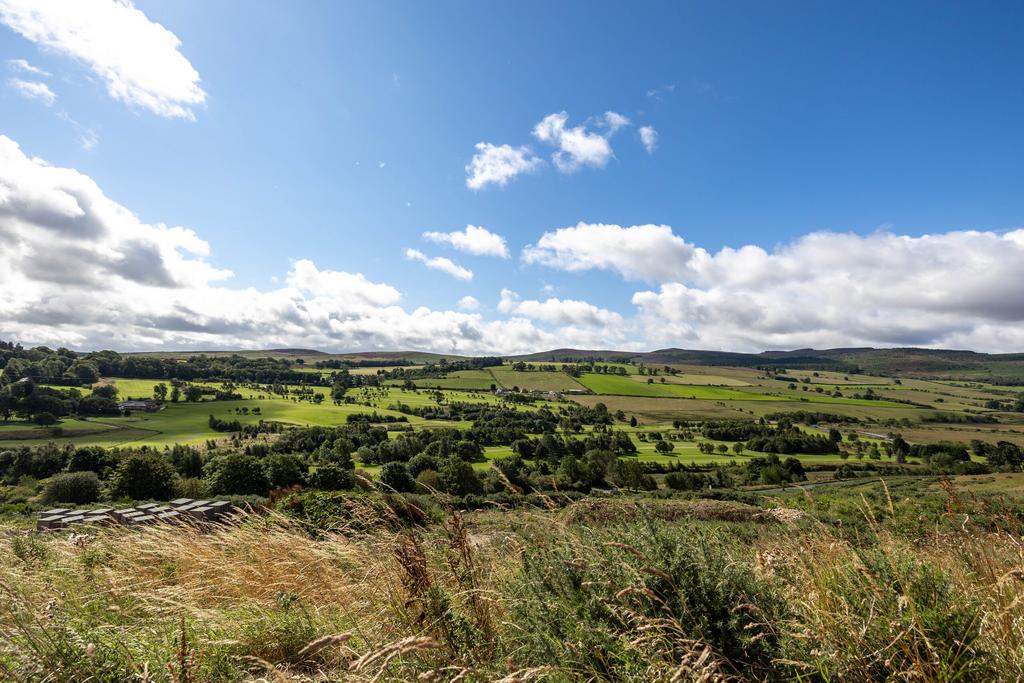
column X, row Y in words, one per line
column 237, row 474
column 284, row 470
column 90, row 459
column 44, row 418
column 421, row 463
column 72, row 487
column 458, row 478
column 395, row 477
column 143, row 476
column 329, row 476
column 428, row 481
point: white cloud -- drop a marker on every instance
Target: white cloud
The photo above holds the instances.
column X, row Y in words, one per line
column 576, row 146
column 473, row 240
column 955, row 289
column 498, row 164
column 508, row 301
column 332, row 284
column 639, row 252
column 138, row 59
column 79, row 269
column 649, row 138
column 565, row 312
column 33, row 90
column 441, row 263
column 24, row 67
column 615, row 121
column 469, row 303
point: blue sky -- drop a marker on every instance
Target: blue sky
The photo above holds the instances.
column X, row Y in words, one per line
column 339, row 133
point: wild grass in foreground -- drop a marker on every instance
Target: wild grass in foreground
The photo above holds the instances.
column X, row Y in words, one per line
column 608, row 590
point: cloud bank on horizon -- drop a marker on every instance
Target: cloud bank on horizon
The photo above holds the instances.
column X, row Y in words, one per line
column 80, row 269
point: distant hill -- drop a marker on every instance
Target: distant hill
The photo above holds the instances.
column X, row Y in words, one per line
column 310, row 355
column 1006, row 368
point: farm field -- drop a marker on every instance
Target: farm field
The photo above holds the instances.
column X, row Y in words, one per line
column 535, row 381
column 464, row 379
column 695, row 380
column 628, row 386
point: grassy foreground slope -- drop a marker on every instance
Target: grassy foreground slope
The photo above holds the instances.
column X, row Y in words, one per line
column 611, row 590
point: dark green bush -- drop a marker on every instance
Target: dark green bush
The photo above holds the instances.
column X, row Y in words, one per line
column 329, row 476
column 284, row 469
column 143, row 476
column 72, row 487
column 395, row 477
column 236, row 474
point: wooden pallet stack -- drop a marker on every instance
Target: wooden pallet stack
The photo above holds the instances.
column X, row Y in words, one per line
column 180, row 510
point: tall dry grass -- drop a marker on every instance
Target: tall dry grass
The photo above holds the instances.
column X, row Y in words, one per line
column 629, row 594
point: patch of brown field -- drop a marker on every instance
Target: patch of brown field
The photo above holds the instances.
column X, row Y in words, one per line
column 964, row 433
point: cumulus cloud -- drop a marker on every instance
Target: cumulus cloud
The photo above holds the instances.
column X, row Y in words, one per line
column 639, row 252
column 498, row 164
column 649, row 138
column 564, row 312
column 445, row 265
column 473, row 240
column 138, row 59
column 23, row 66
column 305, row 276
column 79, row 269
column 33, row 90
column 955, row 289
column 614, row 121
column 577, row 147
column 469, row 303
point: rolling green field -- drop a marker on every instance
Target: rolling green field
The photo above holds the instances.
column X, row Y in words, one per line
column 535, row 381
column 628, row 386
column 696, row 393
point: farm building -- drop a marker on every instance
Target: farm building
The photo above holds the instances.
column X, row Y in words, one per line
column 144, row 406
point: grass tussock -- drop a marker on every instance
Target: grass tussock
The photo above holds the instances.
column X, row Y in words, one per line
column 583, row 594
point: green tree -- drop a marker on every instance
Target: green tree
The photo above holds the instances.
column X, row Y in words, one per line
column 87, row 373
column 330, row 476
column 394, row 476
column 143, row 476
column 237, row 474
column 105, row 391
column 160, row 392
column 458, row 478
column 284, row 469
